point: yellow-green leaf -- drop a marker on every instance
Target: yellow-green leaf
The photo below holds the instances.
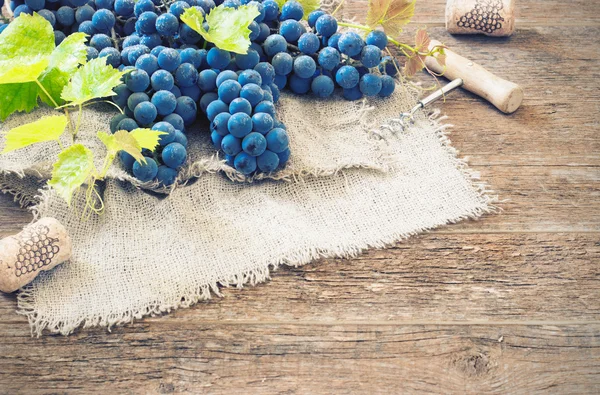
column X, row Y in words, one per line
column 228, row 27
column 25, row 48
column 45, row 129
column 74, row 167
column 122, row 140
column 391, row 14
column 69, row 54
column 94, row 80
column 147, row 138
column 17, row 97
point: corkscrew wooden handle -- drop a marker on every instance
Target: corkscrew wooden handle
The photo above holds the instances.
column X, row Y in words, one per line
column 505, row 95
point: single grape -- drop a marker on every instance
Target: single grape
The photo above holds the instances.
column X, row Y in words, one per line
column 347, row 77
column 247, row 61
column 218, row 58
column 277, row 140
column 219, row 124
column 48, row 15
column 103, row 20
column 245, row 163
column 291, row 10
column 175, row 120
column 265, row 31
column 148, row 63
column 214, row 108
column 127, row 124
column 124, row 7
column 250, row 77
column 329, row 58
column 114, row 122
column 22, row 9
column 168, row 130
column 291, row 30
column 231, row 145
column 304, row 66
column 130, row 41
column 186, row 75
column 370, row 84
column 127, row 160
column 353, row 93
column 350, row 44
column 322, row 86
column 101, row 41
column 192, row 56
column 135, row 99
column 162, row 80
column 253, row 93
column 165, row 102
column 283, row 63
column 137, row 51
column 167, row 24
column 254, row 144
column 280, row 81
column 370, row 56
column 169, row 59
column 254, row 30
column 207, row 80
column 107, row 4
column 145, row 113
column 166, row 176
column 389, row 66
column 157, row 50
column 309, row 43
column 313, row 16
column 35, row 5
column 326, row 25
column 188, row 35
column 122, row 95
column 229, row 90
column 226, row 75
column 240, row 124
column 113, row 57
column 262, row 123
column 266, row 107
column 92, row 53
column 387, row 86
column 274, row 44
column 178, row 8
column 174, row 155
column 145, row 171
column 240, row 105
column 377, row 38
column 146, row 23
column 268, row 161
column 266, row 71
column 271, row 9
column 137, row 80
column 283, row 157
column 85, row 13
column 65, row 16
column 216, row 139
column 187, row 109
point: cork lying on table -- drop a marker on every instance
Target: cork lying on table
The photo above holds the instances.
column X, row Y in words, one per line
column 39, row 246
column 489, row 17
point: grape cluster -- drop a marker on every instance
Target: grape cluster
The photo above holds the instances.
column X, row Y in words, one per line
column 174, row 74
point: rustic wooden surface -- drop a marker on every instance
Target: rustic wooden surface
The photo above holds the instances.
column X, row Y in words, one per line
column 506, row 304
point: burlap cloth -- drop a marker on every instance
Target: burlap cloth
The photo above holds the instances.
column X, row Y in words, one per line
column 356, row 180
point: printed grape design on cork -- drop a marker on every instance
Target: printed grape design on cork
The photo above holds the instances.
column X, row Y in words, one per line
column 36, row 250
column 484, row 16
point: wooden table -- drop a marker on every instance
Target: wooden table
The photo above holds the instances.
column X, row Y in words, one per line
column 509, row 303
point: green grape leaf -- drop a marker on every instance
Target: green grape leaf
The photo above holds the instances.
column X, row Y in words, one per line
column 391, row 14
column 25, row 48
column 122, row 140
column 147, row 138
column 69, row 54
column 17, row 97
column 74, row 167
column 53, row 81
column 44, row 129
column 228, row 27
column 94, row 80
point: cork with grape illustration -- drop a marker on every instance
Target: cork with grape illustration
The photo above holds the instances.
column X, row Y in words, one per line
column 489, row 17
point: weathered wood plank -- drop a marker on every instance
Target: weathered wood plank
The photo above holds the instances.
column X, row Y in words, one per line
column 429, row 278
column 215, row 358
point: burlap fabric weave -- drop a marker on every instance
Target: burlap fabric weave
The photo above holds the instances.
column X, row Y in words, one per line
column 356, row 180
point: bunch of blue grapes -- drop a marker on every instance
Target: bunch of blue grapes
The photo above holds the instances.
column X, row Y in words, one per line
column 173, row 74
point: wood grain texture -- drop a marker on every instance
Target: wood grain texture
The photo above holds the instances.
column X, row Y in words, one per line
column 506, row 304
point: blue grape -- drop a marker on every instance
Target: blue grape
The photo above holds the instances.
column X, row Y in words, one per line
column 291, row 30
column 353, row 93
column 322, row 86
column 254, row 30
column 377, row 38
column 113, row 57
column 347, row 77
column 350, row 44
column 108, row 4
column 191, row 91
column 247, row 61
column 124, row 7
column 226, row 75
column 169, row 59
column 308, row 43
column 329, row 58
column 137, row 81
column 274, row 44
column 148, row 63
column 333, row 40
column 266, row 71
column 22, row 9
column 229, row 90
column 65, row 16
column 240, row 124
column 142, row 6
column 207, row 80
column 188, row 35
column 387, row 86
column 127, row 124
column 181, row 138
column 167, row 24
column 214, row 108
column 370, row 84
column 254, row 144
column 157, row 50
column 186, row 75
column 166, row 176
column 268, row 161
column 277, row 140
column 231, row 145
column 145, row 171
column 250, row 77
column 114, row 122
column 175, row 120
column 266, row 107
column 245, row 163
column 165, row 102
column 283, row 63
column 48, row 15
column 219, row 124
column 130, row 41
column 169, row 132
column 122, row 94
column 326, row 25
column 162, row 80
column 127, row 160
column 313, row 16
column 146, row 23
column 145, row 113
column 35, row 5
column 176, row 91
column 292, row 10
column 216, row 139
column 271, row 10
column 275, row 92
column 137, row 51
column 304, row 66
column 206, row 5
column 87, row 27
column 187, row 109
column 85, row 13
column 192, row 56
column 262, row 123
column 103, row 20
column 253, row 93
column 265, row 31
column 178, row 8
column 389, row 66
column 280, row 81
column 283, row 157
column 174, row 155
column 218, row 58
column 240, row 105
column 370, row 56
column 101, row 41
column 135, row 99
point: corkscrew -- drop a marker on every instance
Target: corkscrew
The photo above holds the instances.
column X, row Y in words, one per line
column 407, row 118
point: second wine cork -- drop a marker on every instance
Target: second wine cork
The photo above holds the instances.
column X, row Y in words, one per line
column 489, row 17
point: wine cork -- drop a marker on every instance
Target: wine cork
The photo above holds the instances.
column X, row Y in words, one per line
column 489, row 17
column 39, row 246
